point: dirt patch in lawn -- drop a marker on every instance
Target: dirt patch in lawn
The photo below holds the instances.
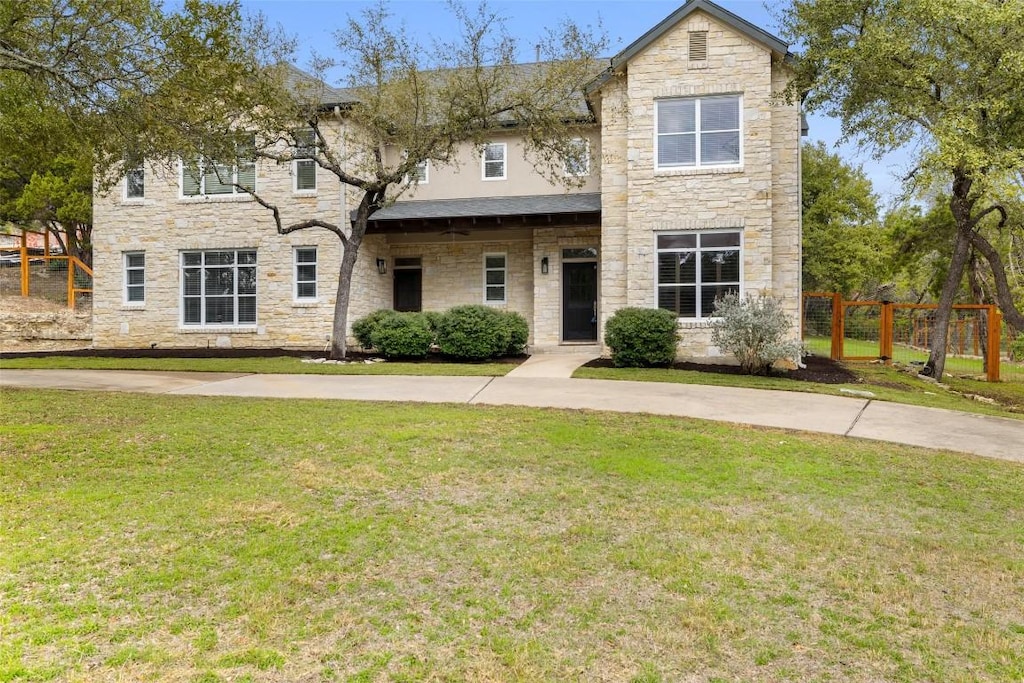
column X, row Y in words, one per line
column 817, row 369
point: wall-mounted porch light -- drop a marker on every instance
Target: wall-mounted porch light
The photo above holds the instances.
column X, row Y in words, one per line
column 382, row 266
column 544, row 265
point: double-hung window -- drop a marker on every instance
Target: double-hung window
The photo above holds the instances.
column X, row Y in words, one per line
column 421, row 173
column 216, row 178
column 305, row 273
column 135, row 277
column 135, row 181
column 695, row 269
column 696, row 132
column 494, row 161
column 577, row 162
column 495, row 278
column 304, row 165
column 218, row 287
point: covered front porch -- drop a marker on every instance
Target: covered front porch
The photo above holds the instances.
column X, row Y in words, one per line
column 538, row 256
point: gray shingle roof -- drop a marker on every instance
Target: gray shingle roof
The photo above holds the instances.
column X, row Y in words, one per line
column 490, row 206
column 301, row 83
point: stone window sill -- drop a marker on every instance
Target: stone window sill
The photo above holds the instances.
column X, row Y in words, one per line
column 207, row 329
column 701, row 170
column 215, row 199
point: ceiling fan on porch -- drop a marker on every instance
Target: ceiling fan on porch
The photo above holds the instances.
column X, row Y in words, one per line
column 453, row 231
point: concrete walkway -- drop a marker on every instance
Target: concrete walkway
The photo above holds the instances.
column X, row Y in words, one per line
column 533, row 385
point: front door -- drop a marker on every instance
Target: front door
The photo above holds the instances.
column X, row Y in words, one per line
column 408, row 289
column 579, row 301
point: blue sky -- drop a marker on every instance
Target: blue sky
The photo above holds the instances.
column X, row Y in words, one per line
column 313, row 23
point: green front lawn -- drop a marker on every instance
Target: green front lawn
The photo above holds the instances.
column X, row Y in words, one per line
column 279, row 365
column 213, row 539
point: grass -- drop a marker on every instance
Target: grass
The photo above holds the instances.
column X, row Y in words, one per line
column 279, row 365
column 214, row 539
column 886, row 383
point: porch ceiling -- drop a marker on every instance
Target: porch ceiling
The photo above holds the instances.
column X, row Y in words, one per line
column 488, row 212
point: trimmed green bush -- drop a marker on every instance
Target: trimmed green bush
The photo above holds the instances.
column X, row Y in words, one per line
column 403, row 335
column 433, row 319
column 364, row 328
column 518, row 330
column 754, row 330
column 642, row 337
column 473, row 333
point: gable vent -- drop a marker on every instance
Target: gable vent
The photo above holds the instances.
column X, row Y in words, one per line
column 698, row 46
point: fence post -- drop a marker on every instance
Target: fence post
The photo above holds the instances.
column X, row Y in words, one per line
column 24, row 263
column 837, row 326
column 71, row 283
column 995, row 328
column 885, row 332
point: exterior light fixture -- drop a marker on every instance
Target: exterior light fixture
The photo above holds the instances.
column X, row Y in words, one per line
column 544, row 265
column 382, row 266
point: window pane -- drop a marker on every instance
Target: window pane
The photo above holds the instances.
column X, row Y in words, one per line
column 305, row 255
column 247, row 257
column 496, row 293
column 191, row 282
column 192, row 259
column 136, row 277
column 720, row 266
column 304, row 143
column 720, row 148
column 677, row 150
column 136, row 260
column 408, row 262
column 709, row 293
column 219, row 281
column 192, row 311
column 719, row 113
column 136, row 293
column 495, row 262
column 136, row 183
column 495, row 277
column 676, row 116
column 677, row 241
column 306, row 290
column 220, row 258
column 494, row 169
column 246, row 280
column 680, row 300
column 218, row 180
column 305, row 273
column 247, row 309
column 677, row 268
column 305, row 175
column 220, row 310
column 720, row 239
column 586, row 252
column 494, row 153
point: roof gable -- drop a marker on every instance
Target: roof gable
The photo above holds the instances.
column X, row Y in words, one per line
column 739, row 24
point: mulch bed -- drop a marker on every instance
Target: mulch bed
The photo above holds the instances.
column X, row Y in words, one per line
column 818, row 369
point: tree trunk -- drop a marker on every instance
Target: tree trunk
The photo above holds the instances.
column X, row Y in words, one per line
column 940, row 336
column 339, row 330
column 1003, row 295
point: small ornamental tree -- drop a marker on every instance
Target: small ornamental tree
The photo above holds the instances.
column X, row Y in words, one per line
column 755, row 330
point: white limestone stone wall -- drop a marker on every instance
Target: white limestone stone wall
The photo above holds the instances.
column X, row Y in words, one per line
column 761, row 197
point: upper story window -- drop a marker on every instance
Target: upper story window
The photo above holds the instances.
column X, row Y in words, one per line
column 135, row 180
column 696, row 132
column 494, row 161
column 695, row 268
column 218, row 287
column 421, row 174
column 578, row 162
column 134, row 277
column 304, row 167
column 212, row 178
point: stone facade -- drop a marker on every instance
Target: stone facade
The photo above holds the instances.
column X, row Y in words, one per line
column 760, row 197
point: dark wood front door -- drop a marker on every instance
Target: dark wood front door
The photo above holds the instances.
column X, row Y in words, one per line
column 579, row 301
column 408, row 289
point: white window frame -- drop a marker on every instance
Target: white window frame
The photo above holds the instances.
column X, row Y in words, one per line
column 235, row 192
column 504, row 278
column 138, row 169
column 586, row 169
column 697, row 251
column 298, row 280
column 421, row 176
column 503, row 161
column 130, row 286
column 299, row 149
column 202, row 297
column 697, row 133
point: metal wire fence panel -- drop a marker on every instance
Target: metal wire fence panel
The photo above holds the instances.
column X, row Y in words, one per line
column 861, row 330
column 967, row 341
column 47, row 278
column 818, row 315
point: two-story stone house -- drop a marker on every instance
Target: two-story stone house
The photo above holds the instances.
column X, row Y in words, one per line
column 692, row 190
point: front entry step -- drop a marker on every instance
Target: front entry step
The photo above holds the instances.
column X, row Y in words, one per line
column 570, row 348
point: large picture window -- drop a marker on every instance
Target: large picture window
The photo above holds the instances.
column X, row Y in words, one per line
column 218, row 287
column 694, row 269
column 698, row 132
column 213, row 178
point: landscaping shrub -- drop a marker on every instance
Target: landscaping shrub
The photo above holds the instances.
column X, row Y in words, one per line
column 754, row 330
column 518, row 330
column 433, row 319
column 403, row 335
column 473, row 333
column 364, row 328
column 641, row 337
